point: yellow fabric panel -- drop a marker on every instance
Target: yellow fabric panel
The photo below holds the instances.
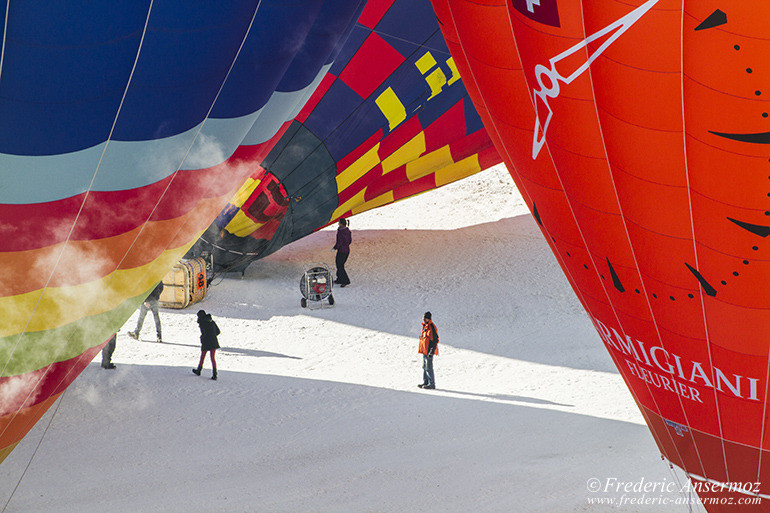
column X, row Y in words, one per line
column 458, row 170
column 53, row 307
column 429, row 163
column 244, row 192
column 350, row 204
column 391, row 107
column 425, row 63
column 241, row 225
column 436, row 81
column 358, row 168
column 382, row 199
column 405, row 154
column 455, row 72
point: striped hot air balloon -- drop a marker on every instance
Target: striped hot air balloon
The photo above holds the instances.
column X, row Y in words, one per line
column 125, row 127
column 390, row 119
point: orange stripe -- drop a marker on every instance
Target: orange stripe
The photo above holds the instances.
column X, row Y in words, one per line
column 84, row 261
column 15, row 426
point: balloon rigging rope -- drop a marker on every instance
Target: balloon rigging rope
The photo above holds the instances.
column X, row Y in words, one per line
column 764, row 419
column 74, row 223
column 633, row 253
column 672, row 471
column 197, row 134
column 102, row 156
column 34, row 453
column 5, row 35
column 391, row 36
column 636, row 265
column 695, row 248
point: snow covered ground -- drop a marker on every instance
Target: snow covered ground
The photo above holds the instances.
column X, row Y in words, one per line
column 318, row 410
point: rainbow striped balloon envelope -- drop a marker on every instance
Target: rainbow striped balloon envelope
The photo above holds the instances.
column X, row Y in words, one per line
column 129, row 128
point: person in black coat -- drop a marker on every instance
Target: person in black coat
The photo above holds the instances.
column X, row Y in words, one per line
column 342, row 245
column 209, row 342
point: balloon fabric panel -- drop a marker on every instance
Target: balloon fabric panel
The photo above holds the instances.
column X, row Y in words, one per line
column 390, row 119
column 639, row 146
column 122, row 136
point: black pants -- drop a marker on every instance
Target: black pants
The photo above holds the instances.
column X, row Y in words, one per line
column 107, row 351
column 342, row 276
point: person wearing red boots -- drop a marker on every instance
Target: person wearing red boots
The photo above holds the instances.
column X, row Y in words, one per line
column 209, row 342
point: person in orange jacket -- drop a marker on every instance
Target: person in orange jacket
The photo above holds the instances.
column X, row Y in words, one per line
column 428, row 348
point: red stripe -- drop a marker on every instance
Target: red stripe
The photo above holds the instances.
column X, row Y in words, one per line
column 469, row 145
column 47, row 382
column 388, row 182
column 423, row 184
column 83, row 261
column 400, row 136
column 319, row 93
column 489, row 157
column 371, row 65
column 346, row 161
column 107, row 214
column 359, row 184
column 373, row 12
column 450, row 126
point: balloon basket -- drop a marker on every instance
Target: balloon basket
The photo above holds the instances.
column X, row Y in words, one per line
column 185, row 284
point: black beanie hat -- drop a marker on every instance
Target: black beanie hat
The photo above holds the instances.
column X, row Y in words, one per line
column 426, row 316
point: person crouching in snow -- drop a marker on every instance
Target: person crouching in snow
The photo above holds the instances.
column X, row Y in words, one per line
column 427, row 348
column 209, row 342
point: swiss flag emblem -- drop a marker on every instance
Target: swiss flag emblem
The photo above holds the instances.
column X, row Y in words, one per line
column 542, row 11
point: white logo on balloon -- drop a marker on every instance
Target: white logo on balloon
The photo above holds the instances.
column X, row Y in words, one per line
column 553, row 77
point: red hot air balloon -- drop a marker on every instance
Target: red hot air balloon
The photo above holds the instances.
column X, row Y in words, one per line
column 638, row 134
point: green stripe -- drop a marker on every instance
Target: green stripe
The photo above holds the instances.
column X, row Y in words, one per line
column 40, row 348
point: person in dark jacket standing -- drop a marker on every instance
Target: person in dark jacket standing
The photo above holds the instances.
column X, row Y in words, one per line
column 209, row 342
column 343, row 251
column 428, row 348
column 151, row 303
column 107, row 351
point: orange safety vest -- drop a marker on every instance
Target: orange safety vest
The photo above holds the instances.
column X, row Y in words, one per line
column 426, row 337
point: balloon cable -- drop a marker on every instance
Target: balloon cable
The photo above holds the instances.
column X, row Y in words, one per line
column 687, row 497
column 5, row 35
column 34, row 453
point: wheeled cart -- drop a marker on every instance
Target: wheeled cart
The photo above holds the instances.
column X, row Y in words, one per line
column 316, row 287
